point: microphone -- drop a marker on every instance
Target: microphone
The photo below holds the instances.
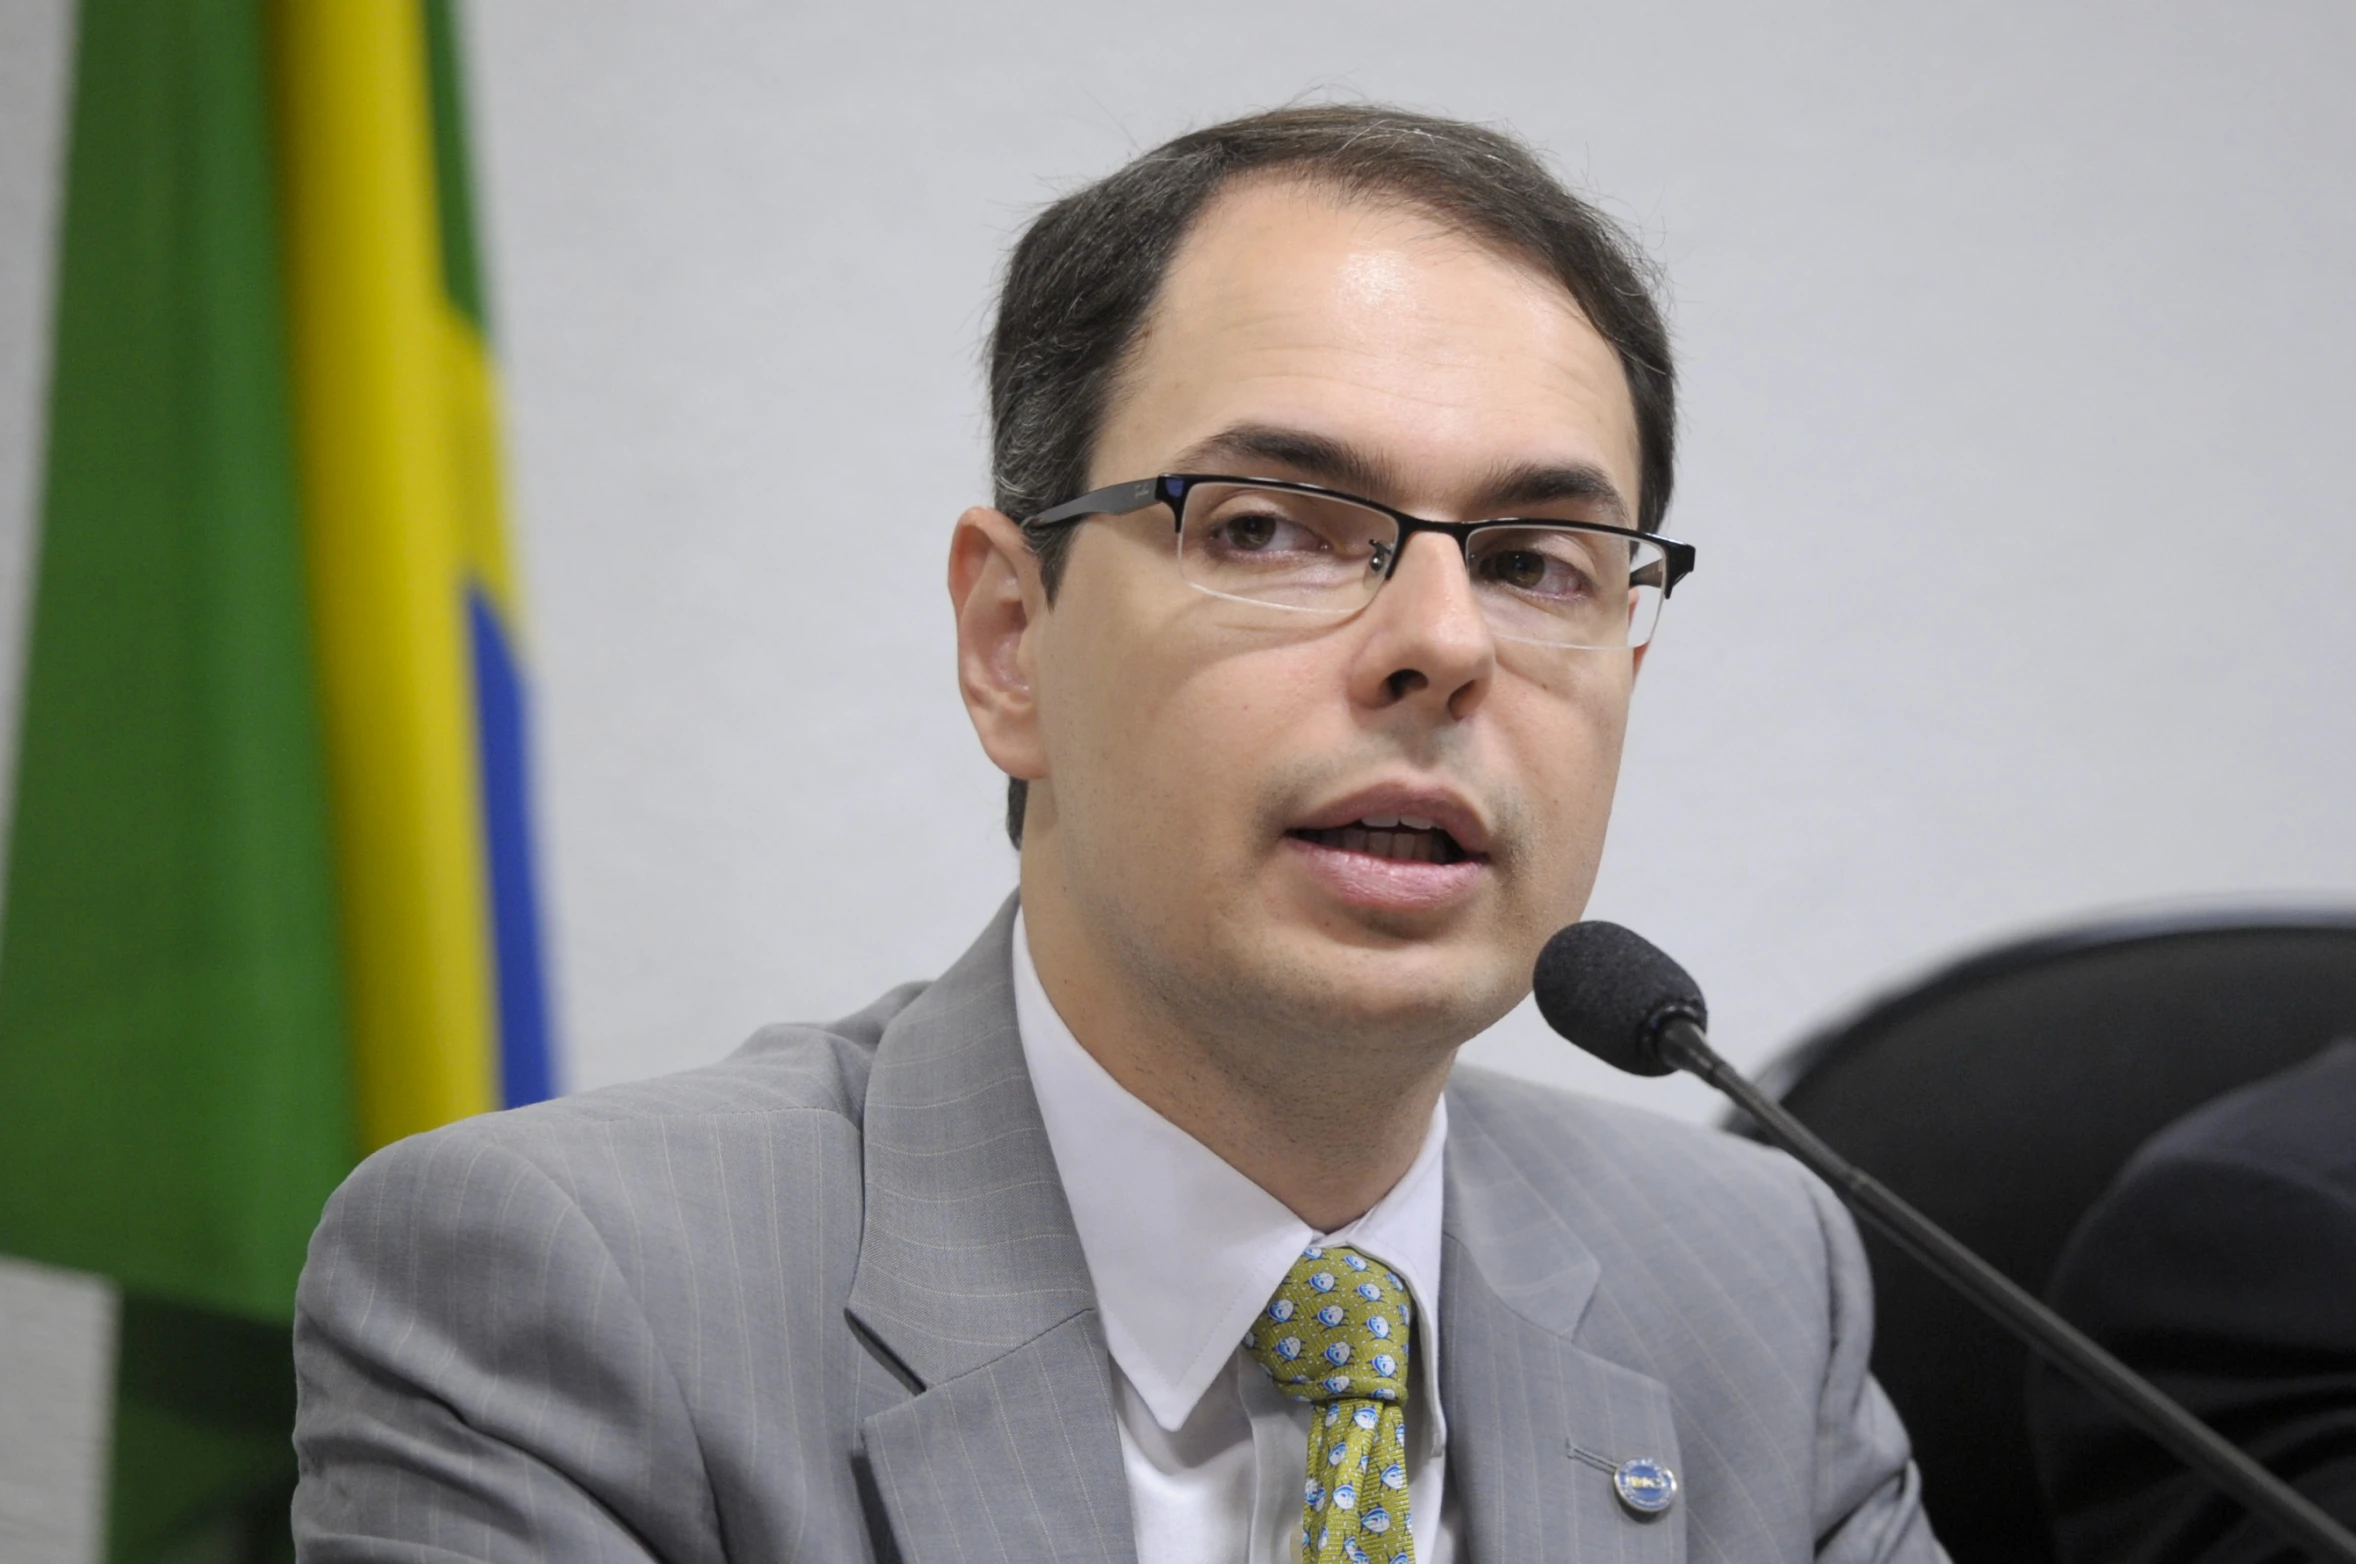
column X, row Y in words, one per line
column 1620, row 997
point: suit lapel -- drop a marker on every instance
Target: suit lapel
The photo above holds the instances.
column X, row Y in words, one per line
column 1534, row 1421
column 971, row 1279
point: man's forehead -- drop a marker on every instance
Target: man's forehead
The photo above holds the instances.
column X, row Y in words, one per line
column 1372, row 242
column 1335, row 333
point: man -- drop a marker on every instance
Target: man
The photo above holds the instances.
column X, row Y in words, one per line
column 1158, row 1228
column 2221, row 1264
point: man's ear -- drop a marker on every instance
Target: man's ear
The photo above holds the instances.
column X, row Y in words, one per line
column 995, row 590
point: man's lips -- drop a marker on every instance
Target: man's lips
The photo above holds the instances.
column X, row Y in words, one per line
column 1415, row 824
column 1394, row 850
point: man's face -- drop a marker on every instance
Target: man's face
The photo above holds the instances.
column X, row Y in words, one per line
column 1205, row 763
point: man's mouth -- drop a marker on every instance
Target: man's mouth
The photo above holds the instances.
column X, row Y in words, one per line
column 1402, row 838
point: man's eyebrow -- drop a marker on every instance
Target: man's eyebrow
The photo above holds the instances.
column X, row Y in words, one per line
column 1550, row 483
column 1337, row 464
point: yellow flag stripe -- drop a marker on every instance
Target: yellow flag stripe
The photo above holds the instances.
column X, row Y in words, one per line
column 473, row 413
column 371, row 344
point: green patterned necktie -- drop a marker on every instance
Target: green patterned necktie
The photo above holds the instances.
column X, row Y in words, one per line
column 1336, row 1336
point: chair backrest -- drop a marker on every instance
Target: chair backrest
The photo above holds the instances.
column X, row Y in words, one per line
column 2000, row 1096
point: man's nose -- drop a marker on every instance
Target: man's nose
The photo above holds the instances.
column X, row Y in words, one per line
column 1428, row 638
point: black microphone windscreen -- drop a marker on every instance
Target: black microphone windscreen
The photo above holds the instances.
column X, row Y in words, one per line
column 1607, row 989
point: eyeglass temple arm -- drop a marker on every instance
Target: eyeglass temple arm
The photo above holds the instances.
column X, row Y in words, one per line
column 1119, row 500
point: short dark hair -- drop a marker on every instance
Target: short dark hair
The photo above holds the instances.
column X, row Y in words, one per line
column 1083, row 276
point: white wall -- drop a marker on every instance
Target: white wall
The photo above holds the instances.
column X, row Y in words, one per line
column 36, row 53
column 2017, row 343
column 57, row 1372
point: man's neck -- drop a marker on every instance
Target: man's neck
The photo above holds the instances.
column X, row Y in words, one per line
column 1327, row 1154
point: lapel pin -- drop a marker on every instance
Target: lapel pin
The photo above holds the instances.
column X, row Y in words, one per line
column 1645, row 1486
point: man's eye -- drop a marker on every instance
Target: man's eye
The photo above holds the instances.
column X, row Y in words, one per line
column 1262, row 532
column 1249, row 533
column 1518, row 568
column 1523, row 569
column 1534, row 572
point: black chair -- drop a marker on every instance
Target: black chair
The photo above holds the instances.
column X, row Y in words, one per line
column 1999, row 1096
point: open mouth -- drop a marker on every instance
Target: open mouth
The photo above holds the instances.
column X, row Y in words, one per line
column 1403, row 838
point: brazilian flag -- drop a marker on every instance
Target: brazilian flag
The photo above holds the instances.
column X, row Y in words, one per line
column 270, row 894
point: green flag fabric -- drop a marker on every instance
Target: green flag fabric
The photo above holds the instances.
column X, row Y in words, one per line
column 172, row 1064
column 174, row 1095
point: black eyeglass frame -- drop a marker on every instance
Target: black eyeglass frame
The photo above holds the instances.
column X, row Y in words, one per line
column 1170, row 488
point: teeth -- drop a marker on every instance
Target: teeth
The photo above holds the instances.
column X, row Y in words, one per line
column 1410, row 843
column 1394, row 822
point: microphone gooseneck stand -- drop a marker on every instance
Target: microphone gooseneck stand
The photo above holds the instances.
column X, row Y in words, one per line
column 1682, row 1043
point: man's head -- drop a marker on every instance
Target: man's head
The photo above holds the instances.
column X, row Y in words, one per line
column 1408, row 309
column 1085, row 274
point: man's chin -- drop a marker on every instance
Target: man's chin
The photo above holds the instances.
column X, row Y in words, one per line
column 1427, row 993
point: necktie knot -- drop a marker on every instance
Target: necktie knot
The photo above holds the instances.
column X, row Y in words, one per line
column 1337, row 1329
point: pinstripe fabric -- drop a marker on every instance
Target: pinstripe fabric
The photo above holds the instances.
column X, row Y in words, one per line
column 1630, row 1287
column 823, row 1301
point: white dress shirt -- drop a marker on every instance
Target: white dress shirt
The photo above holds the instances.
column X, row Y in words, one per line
column 1184, row 1252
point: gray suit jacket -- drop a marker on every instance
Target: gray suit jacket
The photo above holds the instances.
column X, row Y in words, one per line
column 824, row 1301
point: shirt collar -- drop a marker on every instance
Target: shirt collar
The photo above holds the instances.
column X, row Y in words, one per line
column 1183, row 1249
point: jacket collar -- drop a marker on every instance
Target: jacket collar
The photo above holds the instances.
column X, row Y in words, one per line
column 968, row 1249
column 971, row 1280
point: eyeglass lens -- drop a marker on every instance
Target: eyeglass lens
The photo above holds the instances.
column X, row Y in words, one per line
column 1314, row 553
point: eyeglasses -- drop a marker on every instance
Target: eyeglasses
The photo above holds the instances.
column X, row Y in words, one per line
column 1303, row 549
